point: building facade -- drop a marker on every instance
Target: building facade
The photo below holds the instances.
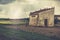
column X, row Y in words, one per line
column 43, row 17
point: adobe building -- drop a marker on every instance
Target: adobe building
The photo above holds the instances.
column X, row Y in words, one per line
column 43, row 17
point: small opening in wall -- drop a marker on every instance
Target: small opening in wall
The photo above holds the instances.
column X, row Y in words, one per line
column 33, row 16
column 46, row 22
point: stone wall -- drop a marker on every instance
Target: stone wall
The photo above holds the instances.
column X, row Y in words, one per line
column 39, row 18
column 33, row 20
column 49, row 15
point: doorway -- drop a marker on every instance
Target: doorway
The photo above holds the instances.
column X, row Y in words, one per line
column 46, row 22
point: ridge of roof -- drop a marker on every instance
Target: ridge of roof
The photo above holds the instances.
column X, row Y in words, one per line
column 57, row 15
column 41, row 10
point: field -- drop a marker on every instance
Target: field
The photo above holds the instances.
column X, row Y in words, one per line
column 17, row 34
column 18, row 30
column 14, row 21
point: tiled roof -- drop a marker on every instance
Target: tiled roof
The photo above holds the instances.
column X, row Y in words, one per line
column 57, row 15
column 41, row 10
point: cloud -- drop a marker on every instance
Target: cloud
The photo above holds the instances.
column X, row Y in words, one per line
column 6, row 1
column 22, row 8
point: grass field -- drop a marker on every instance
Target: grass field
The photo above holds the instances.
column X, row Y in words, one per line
column 13, row 21
column 10, row 33
column 16, row 34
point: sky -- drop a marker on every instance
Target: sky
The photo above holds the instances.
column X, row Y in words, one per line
column 15, row 9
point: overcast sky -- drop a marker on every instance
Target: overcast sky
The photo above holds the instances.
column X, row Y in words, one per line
column 22, row 8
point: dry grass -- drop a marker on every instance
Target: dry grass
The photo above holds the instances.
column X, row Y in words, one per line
column 55, row 31
column 13, row 32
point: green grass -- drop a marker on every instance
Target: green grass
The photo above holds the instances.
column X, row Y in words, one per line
column 16, row 34
column 6, row 22
column 13, row 22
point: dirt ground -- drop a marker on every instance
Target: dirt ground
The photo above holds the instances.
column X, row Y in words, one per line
column 53, row 32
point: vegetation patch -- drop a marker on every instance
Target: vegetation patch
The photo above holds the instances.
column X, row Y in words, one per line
column 16, row 34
